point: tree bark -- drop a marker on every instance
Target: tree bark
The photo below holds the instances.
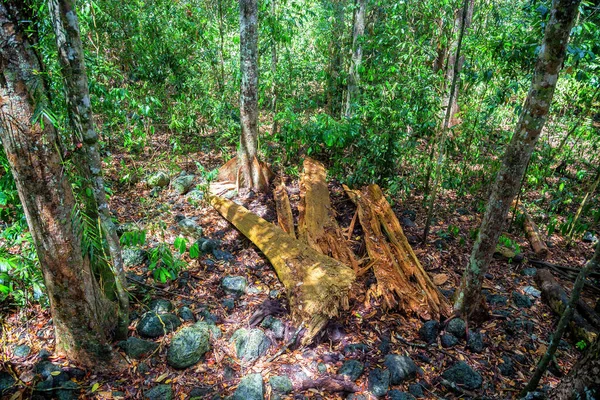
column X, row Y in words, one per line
column 274, row 33
column 583, row 382
column 250, row 172
column 71, row 59
column 534, row 236
column 527, row 132
column 353, row 74
column 83, row 318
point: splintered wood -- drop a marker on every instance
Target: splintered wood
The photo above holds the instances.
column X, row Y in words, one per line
column 285, row 219
column 401, row 280
column 316, row 220
column 231, row 172
column 316, row 285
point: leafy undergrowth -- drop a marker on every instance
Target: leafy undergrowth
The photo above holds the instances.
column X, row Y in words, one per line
column 513, row 339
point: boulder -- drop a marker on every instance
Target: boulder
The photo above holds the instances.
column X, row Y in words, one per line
column 281, row 384
column 398, row 395
column 250, row 344
column 183, row 184
column 188, row 226
column 475, row 342
column 506, row 367
column 521, row 300
column 6, row 382
column 448, row 340
column 463, row 375
column 160, row 306
column 133, row 256
column 137, row 348
column 457, row 327
column 235, row 285
column 379, row 382
column 400, row 368
column 159, row 392
column 153, row 325
column 194, row 196
column 352, row 369
column 250, row 388
column 429, row 331
column 186, row 314
column 159, row 179
column 188, row 346
column 21, row 351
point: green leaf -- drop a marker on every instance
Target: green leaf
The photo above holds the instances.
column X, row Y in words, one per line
column 194, row 251
column 180, row 244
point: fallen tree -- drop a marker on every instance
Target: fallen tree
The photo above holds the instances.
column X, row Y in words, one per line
column 316, row 285
column 401, row 280
column 285, row 218
column 555, row 296
column 316, row 218
column 533, row 235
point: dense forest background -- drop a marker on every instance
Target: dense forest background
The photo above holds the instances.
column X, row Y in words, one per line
column 372, row 89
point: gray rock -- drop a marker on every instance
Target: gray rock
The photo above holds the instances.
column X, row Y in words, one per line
column 400, row 367
column 200, row 393
column 352, row 369
column 457, row 327
column 186, row 314
column 429, row 331
column 143, row 368
column 529, row 271
column 448, row 340
column 6, row 381
column 475, row 342
column 416, row 389
column 70, row 391
column 235, row 285
column 153, row 325
column 160, row 306
column 379, row 382
column 275, row 325
column 353, row 348
column 497, row 300
column 355, row 396
column 137, row 348
column 398, row 395
column 531, row 291
column 589, row 237
column 228, row 304
column 159, row 179
column 207, row 245
column 134, row 256
column 407, row 222
column 281, row 384
column 222, row 255
column 183, row 184
column 188, row 346
column 506, row 367
column 22, row 351
column 159, row 392
column 521, row 300
column 44, row 354
column 189, row 227
column 250, row 388
column 250, row 344
column 461, row 374
column 410, row 214
column 519, row 326
column 195, row 196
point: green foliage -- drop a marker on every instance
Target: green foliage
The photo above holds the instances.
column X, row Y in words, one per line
column 581, row 345
column 509, row 243
column 163, row 263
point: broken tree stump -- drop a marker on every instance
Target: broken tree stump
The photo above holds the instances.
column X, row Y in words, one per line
column 316, row 285
column 533, row 235
column 316, row 218
column 401, row 279
column 231, row 172
column 555, row 296
column 285, row 218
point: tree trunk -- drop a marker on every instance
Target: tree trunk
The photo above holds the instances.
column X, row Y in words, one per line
column 446, row 125
column 82, row 316
column 584, row 202
column 71, row 58
column 583, row 382
column 353, row 74
column 518, row 152
column 334, row 89
column 249, row 168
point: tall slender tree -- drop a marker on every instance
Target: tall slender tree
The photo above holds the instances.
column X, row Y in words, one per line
column 358, row 32
column 71, row 59
column 528, row 129
column 82, row 315
column 249, row 93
